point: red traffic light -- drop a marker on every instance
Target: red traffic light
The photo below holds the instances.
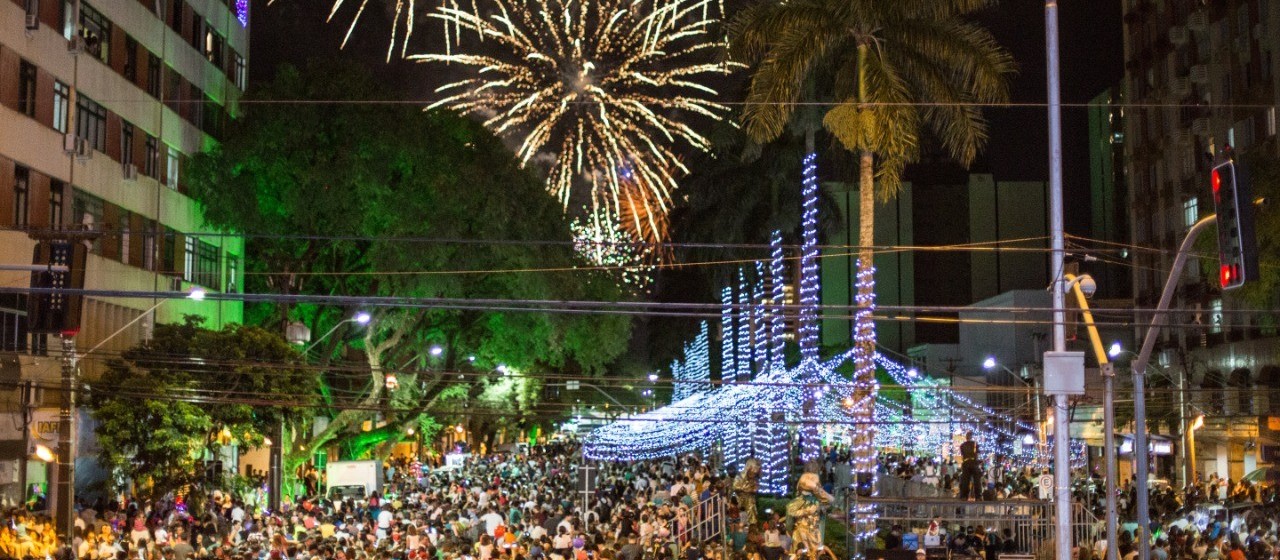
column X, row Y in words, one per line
column 1216, row 181
column 1227, row 275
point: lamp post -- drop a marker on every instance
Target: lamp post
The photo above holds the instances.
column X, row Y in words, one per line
column 296, row 333
column 1033, row 396
column 1191, row 447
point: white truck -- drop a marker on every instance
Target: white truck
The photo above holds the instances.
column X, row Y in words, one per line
column 353, row 479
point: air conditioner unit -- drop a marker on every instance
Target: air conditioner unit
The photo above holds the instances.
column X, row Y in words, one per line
column 75, row 45
column 1198, row 21
column 76, row 146
column 1178, row 35
column 1200, row 74
column 33, row 14
column 1180, row 86
column 130, row 172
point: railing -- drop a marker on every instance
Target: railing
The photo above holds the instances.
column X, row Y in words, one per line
column 1029, row 522
column 707, row 521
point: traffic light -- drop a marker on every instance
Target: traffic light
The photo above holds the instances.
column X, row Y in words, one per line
column 57, row 313
column 1237, row 243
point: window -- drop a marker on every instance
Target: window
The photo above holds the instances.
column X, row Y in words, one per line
column 175, row 16
column 87, row 210
column 168, row 250
column 61, row 106
column 27, row 88
column 233, row 272
column 196, row 113
column 124, row 236
column 151, row 165
column 189, row 260
column 149, row 245
column 171, row 168
column 201, row 264
column 213, row 47
column 91, row 123
column 56, row 188
column 130, row 59
column 238, row 74
column 126, row 143
column 197, row 33
column 96, row 30
column 21, row 197
column 1190, row 212
column 153, row 75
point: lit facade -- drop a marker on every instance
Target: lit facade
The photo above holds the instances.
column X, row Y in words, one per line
column 101, row 103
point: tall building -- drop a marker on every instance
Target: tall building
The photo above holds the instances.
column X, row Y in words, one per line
column 998, row 228
column 101, row 102
column 1109, row 193
column 1199, row 76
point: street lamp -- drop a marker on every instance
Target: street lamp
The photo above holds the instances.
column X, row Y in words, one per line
column 361, row 318
column 436, row 350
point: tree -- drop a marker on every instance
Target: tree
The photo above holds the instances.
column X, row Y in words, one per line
column 383, row 199
column 892, row 70
column 170, row 403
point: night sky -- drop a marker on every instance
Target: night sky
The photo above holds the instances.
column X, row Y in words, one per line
column 293, row 31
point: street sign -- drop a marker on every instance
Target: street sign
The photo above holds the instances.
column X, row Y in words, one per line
column 1045, row 486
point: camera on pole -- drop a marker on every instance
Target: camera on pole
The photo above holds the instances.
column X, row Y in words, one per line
column 1237, row 242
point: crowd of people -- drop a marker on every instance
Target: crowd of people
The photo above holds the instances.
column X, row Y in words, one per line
column 529, row 505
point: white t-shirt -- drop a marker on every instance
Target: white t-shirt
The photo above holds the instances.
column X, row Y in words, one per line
column 491, row 522
column 384, row 519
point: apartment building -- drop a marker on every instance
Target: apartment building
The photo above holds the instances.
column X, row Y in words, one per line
column 1200, row 75
column 101, row 104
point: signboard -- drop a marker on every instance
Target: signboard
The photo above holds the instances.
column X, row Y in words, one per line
column 1045, row 486
column 1157, row 446
column 1273, row 423
column 1270, row 454
column 455, row 460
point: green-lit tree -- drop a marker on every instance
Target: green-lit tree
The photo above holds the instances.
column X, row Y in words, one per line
column 353, row 198
column 169, row 403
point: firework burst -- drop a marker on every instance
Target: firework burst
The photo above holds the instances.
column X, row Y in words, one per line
column 600, row 85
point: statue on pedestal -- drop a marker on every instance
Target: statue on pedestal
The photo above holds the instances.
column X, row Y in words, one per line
column 745, row 487
column 805, row 516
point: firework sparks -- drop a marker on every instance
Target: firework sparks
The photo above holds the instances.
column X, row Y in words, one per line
column 599, row 84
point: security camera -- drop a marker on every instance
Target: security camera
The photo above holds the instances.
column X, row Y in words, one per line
column 1088, row 286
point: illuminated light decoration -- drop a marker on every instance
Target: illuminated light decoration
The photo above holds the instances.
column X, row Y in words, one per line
column 728, row 369
column 759, row 324
column 694, row 373
column 628, row 260
column 810, row 444
column 776, row 295
column 599, row 87
column 242, row 12
column 742, row 331
column 809, row 260
column 679, row 378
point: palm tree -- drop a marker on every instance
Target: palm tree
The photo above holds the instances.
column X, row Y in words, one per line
column 893, row 70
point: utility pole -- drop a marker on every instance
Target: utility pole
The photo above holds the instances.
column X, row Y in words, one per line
column 28, row 403
column 64, row 511
column 1061, row 428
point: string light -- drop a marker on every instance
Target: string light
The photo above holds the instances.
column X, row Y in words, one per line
column 809, row 260
column 776, row 342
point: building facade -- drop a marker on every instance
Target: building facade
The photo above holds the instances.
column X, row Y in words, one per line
column 1200, row 76
column 101, row 103
column 998, row 229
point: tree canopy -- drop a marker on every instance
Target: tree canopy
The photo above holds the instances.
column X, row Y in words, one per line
column 163, row 406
